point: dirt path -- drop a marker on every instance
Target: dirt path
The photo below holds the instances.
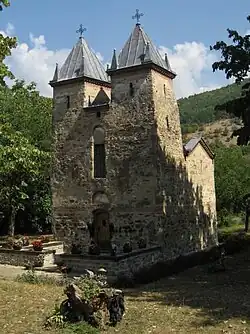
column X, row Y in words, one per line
column 11, row 272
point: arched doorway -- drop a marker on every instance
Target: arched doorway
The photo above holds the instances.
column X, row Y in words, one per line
column 102, row 231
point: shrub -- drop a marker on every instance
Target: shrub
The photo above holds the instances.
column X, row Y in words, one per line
column 89, row 289
column 127, row 247
column 89, row 286
column 32, row 277
column 142, row 243
column 76, row 249
column 217, row 131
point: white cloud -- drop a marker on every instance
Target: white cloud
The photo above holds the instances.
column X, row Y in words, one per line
column 35, row 62
column 190, row 61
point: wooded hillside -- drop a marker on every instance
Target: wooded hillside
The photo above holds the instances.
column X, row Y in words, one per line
column 199, row 109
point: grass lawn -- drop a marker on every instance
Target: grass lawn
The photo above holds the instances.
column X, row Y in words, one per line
column 24, row 307
column 192, row 302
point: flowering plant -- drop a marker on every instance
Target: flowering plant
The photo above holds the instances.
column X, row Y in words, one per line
column 37, row 244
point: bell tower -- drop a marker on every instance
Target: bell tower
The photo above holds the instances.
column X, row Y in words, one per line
column 81, row 91
column 139, row 73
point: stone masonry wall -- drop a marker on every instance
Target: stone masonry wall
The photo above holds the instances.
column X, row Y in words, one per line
column 91, row 90
column 150, row 194
column 132, row 177
column 201, row 173
column 167, row 116
column 72, row 165
column 127, row 265
column 22, row 258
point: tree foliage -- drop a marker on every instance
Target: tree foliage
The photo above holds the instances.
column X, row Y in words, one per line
column 22, row 166
column 4, row 3
column 27, row 112
column 6, row 44
column 199, row 109
column 25, row 141
column 232, row 177
column 236, row 63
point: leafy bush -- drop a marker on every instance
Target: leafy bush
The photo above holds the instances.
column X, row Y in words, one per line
column 89, row 286
column 32, row 277
column 232, row 178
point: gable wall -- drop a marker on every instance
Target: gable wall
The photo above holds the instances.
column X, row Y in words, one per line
column 200, row 169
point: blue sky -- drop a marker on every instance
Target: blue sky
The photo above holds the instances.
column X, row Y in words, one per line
column 109, row 23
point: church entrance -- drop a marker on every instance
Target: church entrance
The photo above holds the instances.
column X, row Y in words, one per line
column 102, row 233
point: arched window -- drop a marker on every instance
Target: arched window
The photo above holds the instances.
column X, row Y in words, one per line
column 100, row 198
column 99, row 153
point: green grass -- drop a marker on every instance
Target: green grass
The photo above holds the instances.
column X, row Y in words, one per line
column 236, row 228
column 232, row 224
column 194, row 301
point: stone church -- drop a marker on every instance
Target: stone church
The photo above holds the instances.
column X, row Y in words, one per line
column 126, row 192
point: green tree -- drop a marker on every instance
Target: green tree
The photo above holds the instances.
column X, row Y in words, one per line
column 29, row 115
column 232, row 177
column 27, row 112
column 4, row 3
column 236, row 63
column 6, row 44
column 21, row 166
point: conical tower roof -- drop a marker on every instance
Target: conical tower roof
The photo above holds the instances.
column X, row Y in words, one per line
column 82, row 61
column 139, row 49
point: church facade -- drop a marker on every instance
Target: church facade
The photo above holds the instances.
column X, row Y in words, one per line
column 122, row 180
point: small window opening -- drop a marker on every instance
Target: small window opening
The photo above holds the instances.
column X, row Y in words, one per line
column 164, row 89
column 131, row 89
column 68, row 102
column 167, row 122
column 98, row 114
column 99, row 153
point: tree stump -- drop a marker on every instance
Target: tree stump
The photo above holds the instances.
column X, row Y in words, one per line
column 102, row 309
column 77, row 307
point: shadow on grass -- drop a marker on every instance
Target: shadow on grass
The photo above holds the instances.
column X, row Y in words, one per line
column 217, row 296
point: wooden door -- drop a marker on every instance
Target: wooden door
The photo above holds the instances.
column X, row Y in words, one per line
column 102, row 230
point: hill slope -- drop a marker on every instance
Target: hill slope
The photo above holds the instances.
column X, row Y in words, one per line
column 198, row 116
column 199, row 109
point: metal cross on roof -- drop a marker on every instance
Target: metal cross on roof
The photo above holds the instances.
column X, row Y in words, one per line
column 137, row 16
column 81, row 30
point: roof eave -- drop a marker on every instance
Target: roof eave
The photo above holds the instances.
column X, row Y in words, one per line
column 205, row 147
column 80, row 79
column 146, row 65
column 103, row 107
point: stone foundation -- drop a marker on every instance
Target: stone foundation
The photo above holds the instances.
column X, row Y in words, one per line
column 27, row 255
column 117, row 266
column 22, row 258
column 142, row 266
